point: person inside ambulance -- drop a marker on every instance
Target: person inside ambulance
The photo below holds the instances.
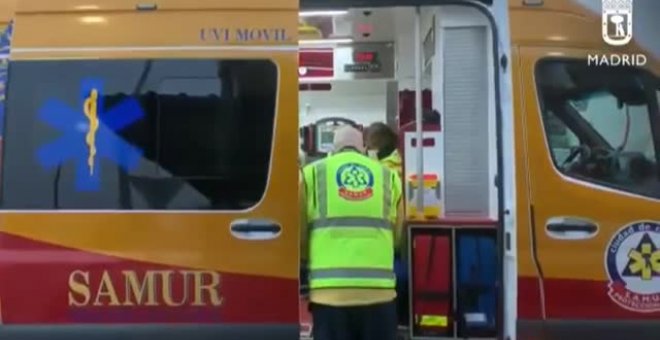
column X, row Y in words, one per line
column 382, row 144
column 351, row 216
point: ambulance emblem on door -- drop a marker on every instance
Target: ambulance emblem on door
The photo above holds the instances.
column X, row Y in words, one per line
column 632, row 262
column 617, row 22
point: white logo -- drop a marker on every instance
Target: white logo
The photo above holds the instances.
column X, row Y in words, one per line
column 617, row 22
column 632, row 261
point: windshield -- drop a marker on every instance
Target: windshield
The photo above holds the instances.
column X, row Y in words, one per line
column 624, row 127
column 600, row 124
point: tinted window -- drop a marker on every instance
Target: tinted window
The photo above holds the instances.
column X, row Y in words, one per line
column 138, row 134
column 599, row 124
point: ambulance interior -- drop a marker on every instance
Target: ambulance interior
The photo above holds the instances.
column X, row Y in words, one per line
column 357, row 67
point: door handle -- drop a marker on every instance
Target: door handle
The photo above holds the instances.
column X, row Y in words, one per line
column 571, row 228
column 255, row 229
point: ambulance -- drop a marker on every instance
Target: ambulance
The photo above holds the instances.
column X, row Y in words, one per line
column 148, row 181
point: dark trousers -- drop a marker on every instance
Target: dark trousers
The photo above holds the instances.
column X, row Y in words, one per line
column 402, row 307
column 371, row 322
column 401, row 270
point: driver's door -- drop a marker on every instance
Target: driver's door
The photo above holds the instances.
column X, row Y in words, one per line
column 593, row 257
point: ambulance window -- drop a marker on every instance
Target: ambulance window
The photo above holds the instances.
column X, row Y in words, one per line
column 562, row 140
column 138, row 134
column 598, row 125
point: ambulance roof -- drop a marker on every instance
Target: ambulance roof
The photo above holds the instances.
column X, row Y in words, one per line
column 34, row 6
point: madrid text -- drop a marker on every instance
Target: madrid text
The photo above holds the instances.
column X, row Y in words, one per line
column 616, row 60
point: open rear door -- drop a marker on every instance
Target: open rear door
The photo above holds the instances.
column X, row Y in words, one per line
column 482, row 91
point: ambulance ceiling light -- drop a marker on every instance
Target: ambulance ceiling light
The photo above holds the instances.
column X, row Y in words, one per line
column 325, row 41
column 322, row 13
column 87, row 8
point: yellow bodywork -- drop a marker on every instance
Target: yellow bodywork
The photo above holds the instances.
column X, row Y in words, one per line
column 113, row 29
column 560, row 29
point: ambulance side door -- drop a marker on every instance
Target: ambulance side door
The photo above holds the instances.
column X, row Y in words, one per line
column 594, row 193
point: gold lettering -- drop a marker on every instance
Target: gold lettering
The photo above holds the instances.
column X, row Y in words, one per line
column 79, row 287
column 106, row 289
column 166, row 286
column 177, row 288
column 136, row 290
column 211, row 288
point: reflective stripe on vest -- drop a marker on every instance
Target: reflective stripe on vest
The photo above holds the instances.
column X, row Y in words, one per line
column 343, row 222
column 351, row 273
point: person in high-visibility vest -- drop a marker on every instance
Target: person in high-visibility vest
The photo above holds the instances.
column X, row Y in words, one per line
column 351, row 217
column 382, row 144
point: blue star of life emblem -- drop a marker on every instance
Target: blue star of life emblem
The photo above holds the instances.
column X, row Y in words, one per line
column 89, row 134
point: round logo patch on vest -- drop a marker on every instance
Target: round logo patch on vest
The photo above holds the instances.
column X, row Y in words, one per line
column 355, row 182
column 633, row 267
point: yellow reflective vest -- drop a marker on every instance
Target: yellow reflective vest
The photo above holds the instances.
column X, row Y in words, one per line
column 351, row 206
column 394, row 163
